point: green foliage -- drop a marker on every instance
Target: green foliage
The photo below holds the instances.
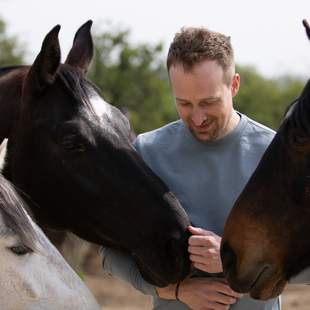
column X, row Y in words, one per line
column 11, row 53
column 266, row 100
column 133, row 77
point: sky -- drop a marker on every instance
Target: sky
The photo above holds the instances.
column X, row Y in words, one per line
column 266, row 34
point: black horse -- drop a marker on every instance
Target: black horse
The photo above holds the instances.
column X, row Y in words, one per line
column 70, row 154
column 266, row 239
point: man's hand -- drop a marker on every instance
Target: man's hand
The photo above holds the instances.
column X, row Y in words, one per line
column 207, row 294
column 204, row 249
column 202, row 293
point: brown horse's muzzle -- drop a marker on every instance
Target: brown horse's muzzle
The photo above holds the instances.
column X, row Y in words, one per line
column 249, row 272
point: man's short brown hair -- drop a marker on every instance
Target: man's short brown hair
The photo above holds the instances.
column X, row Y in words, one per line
column 191, row 46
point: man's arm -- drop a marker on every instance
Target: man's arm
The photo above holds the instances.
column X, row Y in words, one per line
column 301, row 278
column 193, row 292
column 202, row 293
column 123, row 267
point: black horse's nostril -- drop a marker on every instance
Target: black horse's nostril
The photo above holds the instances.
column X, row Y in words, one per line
column 228, row 257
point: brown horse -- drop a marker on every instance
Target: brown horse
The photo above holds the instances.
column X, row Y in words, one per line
column 266, row 239
column 70, row 154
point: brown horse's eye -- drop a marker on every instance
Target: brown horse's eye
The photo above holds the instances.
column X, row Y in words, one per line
column 297, row 138
column 300, row 140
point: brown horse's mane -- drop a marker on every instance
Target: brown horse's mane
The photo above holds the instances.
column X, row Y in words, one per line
column 299, row 117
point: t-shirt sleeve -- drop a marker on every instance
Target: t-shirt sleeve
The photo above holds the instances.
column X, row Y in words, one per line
column 137, row 143
column 302, row 278
column 123, row 267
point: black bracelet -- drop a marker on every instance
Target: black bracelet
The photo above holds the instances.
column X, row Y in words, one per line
column 177, row 291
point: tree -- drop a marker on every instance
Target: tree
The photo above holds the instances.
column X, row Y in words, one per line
column 11, row 53
column 263, row 99
column 133, row 77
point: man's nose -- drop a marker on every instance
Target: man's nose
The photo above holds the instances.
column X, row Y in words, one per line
column 198, row 117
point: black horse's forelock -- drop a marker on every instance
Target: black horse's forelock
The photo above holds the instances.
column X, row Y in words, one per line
column 77, row 85
column 17, row 221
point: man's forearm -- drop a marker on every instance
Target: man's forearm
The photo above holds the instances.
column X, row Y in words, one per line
column 167, row 292
column 122, row 266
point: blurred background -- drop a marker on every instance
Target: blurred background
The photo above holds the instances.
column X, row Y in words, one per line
column 131, row 41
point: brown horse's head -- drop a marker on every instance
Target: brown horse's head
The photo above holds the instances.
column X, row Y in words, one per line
column 266, row 239
column 70, row 153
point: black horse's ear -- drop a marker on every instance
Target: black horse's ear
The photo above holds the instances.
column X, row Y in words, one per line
column 43, row 71
column 82, row 50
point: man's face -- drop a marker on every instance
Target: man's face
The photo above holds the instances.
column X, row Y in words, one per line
column 204, row 99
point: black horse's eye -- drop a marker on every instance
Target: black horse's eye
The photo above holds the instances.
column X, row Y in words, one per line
column 72, row 144
column 20, row 250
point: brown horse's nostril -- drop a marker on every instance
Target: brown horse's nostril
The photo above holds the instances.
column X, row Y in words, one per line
column 228, row 257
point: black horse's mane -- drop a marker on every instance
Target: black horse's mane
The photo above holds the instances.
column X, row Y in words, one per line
column 12, row 209
column 4, row 70
column 73, row 79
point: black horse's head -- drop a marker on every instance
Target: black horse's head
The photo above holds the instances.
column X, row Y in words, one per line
column 71, row 153
column 266, row 239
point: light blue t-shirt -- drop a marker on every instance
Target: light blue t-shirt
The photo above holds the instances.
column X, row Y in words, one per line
column 206, row 177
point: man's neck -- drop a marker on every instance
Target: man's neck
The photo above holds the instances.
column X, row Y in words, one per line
column 234, row 121
column 232, row 124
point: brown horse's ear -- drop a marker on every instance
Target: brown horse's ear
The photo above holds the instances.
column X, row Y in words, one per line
column 306, row 25
column 43, row 71
column 82, row 49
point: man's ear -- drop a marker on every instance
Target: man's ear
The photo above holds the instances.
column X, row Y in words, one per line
column 235, row 84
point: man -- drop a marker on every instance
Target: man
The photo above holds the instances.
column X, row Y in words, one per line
column 205, row 158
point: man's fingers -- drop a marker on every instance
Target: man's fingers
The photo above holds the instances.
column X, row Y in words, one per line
column 203, row 241
column 202, row 267
column 198, row 259
column 205, row 260
column 224, row 299
column 217, row 306
column 197, row 250
column 204, row 251
column 199, row 231
column 225, row 289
